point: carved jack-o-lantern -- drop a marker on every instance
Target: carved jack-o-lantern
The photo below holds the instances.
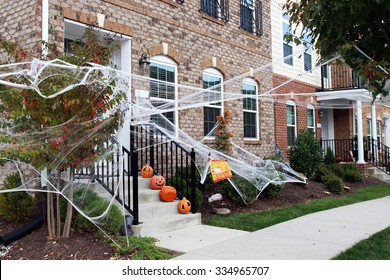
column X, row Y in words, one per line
column 157, row 182
column 184, row 206
column 147, row 171
column 168, row 193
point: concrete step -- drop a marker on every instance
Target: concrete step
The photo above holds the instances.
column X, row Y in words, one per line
column 157, row 209
column 169, row 223
column 379, row 174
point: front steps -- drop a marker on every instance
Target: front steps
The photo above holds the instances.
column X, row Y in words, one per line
column 376, row 173
column 155, row 216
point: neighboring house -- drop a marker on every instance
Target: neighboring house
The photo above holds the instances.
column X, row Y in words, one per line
column 198, row 43
column 295, row 79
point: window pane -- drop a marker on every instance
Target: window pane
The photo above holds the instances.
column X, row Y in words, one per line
column 307, row 61
column 247, row 15
column 164, row 74
column 290, row 135
column 250, row 125
column 249, row 103
column 210, row 7
column 310, row 117
column 210, row 118
column 287, row 50
column 368, row 127
column 290, row 115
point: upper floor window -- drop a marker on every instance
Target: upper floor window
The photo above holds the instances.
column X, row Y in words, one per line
column 251, row 111
column 212, row 79
column 163, row 89
column 287, row 46
column 251, row 19
column 368, row 123
column 307, row 56
column 311, row 118
column 218, row 9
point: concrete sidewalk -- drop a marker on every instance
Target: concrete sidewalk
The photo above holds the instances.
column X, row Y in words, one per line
column 318, row 236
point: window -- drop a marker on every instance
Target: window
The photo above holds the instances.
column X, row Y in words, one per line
column 307, row 55
column 251, row 116
column 218, row 9
column 287, row 46
column 251, row 16
column 291, row 124
column 368, row 127
column 311, row 118
column 378, row 131
column 163, row 89
column 212, row 79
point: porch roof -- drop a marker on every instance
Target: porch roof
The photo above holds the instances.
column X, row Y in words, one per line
column 345, row 96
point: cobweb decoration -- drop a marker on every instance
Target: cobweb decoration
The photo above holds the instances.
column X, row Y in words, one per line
column 251, row 173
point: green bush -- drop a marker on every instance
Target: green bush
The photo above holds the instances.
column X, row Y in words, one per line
column 337, row 169
column 329, row 157
column 272, row 190
column 306, row 155
column 16, row 206
column 351, row 173
column 93, row 205
column 176, row 182
column 321, row 171
column 333, row 183
column 247, row 189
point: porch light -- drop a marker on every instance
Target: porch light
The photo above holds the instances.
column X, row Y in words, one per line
column 321, row 113
column 144, row 62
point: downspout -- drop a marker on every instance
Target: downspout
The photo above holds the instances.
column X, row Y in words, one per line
column 45, row 26
column 45, row 39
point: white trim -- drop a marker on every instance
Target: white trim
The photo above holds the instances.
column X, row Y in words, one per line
column 252, row 82
column 292, row 103
column 45, row 26
column 167, row 61
column 312, row 107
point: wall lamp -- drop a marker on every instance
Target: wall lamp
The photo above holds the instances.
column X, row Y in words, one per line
column 321, row 113
column 144, row 62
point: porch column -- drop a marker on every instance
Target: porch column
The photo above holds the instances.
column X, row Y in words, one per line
column 360, row 133
column 373, row 131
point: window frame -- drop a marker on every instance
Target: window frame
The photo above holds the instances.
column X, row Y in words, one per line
column 311, row 108
column 251, row 82
column 308, row 52
column 212, row 72
column 291, row 103
column 221, row 6
column 166, row 61
column 256, row 16
column 285, row 21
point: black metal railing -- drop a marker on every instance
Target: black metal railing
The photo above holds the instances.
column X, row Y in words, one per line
column 167, row 158
column 339, row 77
column 345, row 150
column 218, row 9
column 380, row 155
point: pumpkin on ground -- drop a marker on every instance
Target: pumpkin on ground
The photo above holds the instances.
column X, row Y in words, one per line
column 147, row 171
column 157, row 182
column 184, row 206
column 168, row 193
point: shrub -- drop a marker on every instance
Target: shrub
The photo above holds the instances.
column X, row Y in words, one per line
column 306, row 155
column 333, row 183
column 321, row 171
column 329, row 157
column 16, row 206
column 176, row 182
column 93, row 205
column 247, row 189
column 272, row 190
column 351, row 173
column 337, row 169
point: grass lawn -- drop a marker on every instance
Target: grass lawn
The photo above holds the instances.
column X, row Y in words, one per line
column 260, row 220
column 376, row 247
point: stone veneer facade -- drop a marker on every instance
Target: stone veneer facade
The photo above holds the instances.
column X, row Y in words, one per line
column 195, row 41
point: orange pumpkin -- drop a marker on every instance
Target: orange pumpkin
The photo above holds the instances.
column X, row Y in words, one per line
column 184, row 206
column 147, row 171
column 168, row 193
column 157, row 182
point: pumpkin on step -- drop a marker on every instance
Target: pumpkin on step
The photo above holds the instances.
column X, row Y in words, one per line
column 184, row 206
column 147, row 171
column 168, row 193
column 157, row 182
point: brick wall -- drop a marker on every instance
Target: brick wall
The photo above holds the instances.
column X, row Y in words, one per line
column 194, row 41
column 287, row 92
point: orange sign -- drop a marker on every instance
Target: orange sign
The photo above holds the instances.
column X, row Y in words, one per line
column 220, row 170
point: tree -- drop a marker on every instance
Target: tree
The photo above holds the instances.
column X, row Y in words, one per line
column 61, row 132
column 306, row 155
column 355, row 29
